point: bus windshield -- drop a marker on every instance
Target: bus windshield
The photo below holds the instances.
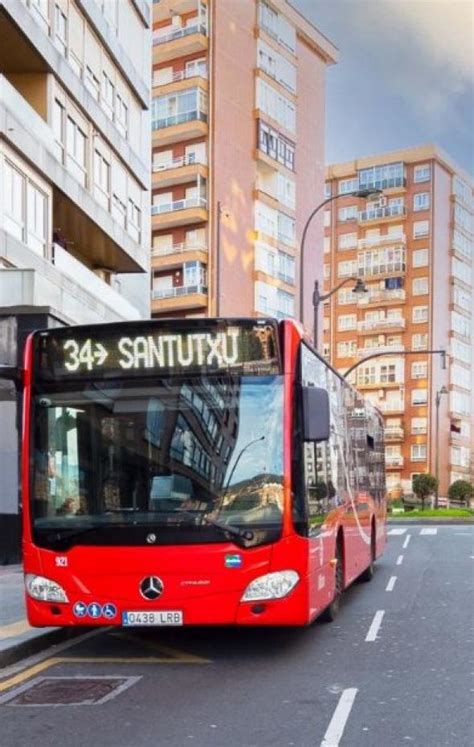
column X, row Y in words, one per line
column 173, row 460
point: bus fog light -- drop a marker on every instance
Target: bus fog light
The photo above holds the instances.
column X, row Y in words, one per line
column 39, row 587
column 271, row 586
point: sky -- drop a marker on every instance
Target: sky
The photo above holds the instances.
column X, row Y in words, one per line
column 405, row 75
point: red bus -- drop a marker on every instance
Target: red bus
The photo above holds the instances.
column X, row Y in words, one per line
column 194, row 472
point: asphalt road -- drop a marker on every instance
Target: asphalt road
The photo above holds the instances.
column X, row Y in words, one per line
column 394, row 669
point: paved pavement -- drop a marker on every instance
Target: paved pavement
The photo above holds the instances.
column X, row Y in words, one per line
column 392, row 670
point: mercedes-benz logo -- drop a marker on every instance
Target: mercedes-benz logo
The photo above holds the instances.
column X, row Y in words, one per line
column 151, row 538
column 151, row 587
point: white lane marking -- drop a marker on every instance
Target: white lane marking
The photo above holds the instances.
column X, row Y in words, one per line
column 407, row 540
column 399, row 560
column 375, row 625
column 429, row 530
column 397, row 531
column 338, row 722
column 391, row 583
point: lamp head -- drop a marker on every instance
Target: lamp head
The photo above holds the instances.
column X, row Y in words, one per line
column 360, row 287
column 368, row 194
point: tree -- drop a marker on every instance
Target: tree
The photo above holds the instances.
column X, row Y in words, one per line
column 423, row 486
column 461, row 490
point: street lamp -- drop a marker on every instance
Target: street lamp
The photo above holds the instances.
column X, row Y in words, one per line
column 439, row 394
column 364, row 194
column 359, row 289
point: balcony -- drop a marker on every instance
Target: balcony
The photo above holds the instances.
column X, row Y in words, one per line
column 179, row 171
column 393, row 460
column 389, row 183
column 369, row 382
column 391, row 406
column 379, row 349
column 394, row 433
column 177, row 254
column 179, row 42
column 388, row 212
column 382, row 297
column 179, row 213
column 376, row 325
column 179, row 127
column 382, row 269
column 374, row 241
column 178, row 298
column 163, row 9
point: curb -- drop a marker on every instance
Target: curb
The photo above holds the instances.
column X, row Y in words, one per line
column 455, row 520
column 31, row 646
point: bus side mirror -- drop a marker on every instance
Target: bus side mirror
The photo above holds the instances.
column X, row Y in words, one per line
column 315, row 414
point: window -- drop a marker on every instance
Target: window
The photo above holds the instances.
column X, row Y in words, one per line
column 460, row 456
column 327, row 190
column 419, row 286
column 419, row 370
column 419, row 341
column 58, row 128
column 36, row 202
column 421, row 201
column 419, row 425
column 101, row 179
column 346, row 295
column 419, row 314
column 327, row 245
column 276, row 106
column 347, row 321
column 381, row 262
column 347, row 241
column 14, row 201
column 460, row 403
column 60, row 30
column 461, row 376
column 382, row 177
column 286, row 229
column 420, row 258
column 177, row 108
column 327, row 218
column 121, row 115
column 461, row 351
column 134, row 220
column 347, row 213
column 422, row 173
column 76, row 150
column 92, row 82
column 461, row 271
column 119, row 211
column 347, row 185
column 346, row 349
column 462, row 218
column 108, row 95
column 419, row 396
column 462, row 298
column 460, row 324
column 418, row 452
column 462, row 190
column 421, row 228
column 347, row 269
column 462, row 244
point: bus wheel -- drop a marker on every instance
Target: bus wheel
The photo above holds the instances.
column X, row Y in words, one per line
column 368, row 574
column 330, row 613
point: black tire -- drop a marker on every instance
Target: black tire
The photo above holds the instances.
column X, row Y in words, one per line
column 368, row 574
column 332, row 610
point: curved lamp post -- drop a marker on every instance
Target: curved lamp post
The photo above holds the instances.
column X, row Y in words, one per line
column 365, row 194
column 439, row 394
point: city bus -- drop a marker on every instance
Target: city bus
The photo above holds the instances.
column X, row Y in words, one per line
column 194, row 472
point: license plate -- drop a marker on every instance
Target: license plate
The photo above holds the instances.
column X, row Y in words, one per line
column 155, row 617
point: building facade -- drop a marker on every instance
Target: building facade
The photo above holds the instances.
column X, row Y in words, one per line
column 413, row 248
column 238, row 165
column 74, row 185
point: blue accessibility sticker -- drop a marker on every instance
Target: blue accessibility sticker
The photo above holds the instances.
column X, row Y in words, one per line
column 94, row 610
column 109, row 610
column 233, row 561
column 80, row 609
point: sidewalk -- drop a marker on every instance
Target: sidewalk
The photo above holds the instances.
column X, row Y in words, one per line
column 17, row 638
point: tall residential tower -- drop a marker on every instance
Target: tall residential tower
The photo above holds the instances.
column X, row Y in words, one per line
column 413, row 249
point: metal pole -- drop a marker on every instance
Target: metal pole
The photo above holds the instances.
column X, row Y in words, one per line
column 218, row 259
column 437, row 401
column 316, row 299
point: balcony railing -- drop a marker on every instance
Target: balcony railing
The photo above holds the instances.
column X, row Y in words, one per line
column 195, row 28
column 169, row 207
column 397, row 294
column 372, row 381
column 182, row 290
column 389, row 211
column 386, row 268
column 364, row 352
column 391, row 406
column 178, row 163
column 178, row 76
column 175, row 119
column 370, row 324
column 394, row 431
column 371, row 241
column 191, row 246
column 393, row 460
column 390, row 183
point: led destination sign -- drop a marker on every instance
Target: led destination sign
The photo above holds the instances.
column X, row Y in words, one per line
column 244, row 347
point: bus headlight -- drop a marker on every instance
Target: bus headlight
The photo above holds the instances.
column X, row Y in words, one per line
column 271, row 586
column 39, row 587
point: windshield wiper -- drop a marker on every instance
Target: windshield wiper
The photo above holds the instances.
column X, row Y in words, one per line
column 60, row 539
column 233, row 531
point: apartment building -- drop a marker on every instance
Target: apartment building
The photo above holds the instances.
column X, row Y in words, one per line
column 238, row 165
column 74, row 185
column 413, row 248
